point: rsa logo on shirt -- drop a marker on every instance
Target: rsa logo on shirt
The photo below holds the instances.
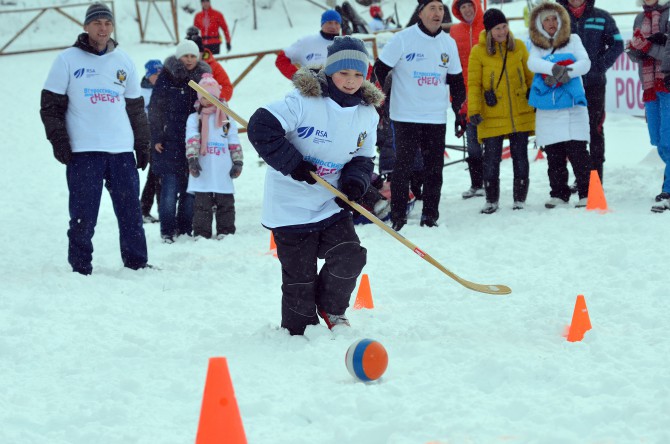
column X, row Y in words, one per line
column 415, row 57
column 89, row 72
column 320, row 136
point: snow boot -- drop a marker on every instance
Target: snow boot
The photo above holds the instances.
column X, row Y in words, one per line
column 476, row 168
column 661, row 206
column 334, row 320
column 520, row 192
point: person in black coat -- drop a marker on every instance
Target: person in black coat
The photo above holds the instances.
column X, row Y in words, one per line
column 604, row 44
column 171, row 104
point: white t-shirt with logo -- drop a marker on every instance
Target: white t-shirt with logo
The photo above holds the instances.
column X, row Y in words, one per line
column 216, row 164
column 308, row 51
column 97, row 88
column 328, row 136
column 420, row 66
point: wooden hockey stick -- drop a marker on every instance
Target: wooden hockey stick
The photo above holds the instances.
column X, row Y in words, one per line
column 482, row 288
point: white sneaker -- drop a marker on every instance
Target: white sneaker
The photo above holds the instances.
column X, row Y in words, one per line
column 473, row 192
column 334, row 320
column 582, row 202
column 518, row 205
column 556, row 202
column 661, row 206
column 490, row 208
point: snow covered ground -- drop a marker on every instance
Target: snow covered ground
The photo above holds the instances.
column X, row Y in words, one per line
column 120, row 357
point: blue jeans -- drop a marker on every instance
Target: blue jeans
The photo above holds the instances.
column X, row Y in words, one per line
column 85, row 174
column 658, row 123
column 175, row 209
column 518, row 144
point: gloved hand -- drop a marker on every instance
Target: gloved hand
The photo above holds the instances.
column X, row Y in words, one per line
column 353, row 191
column 559, row 71
column 63, row 153
column 550, row 81
column 460, row 125
column 236, row 170
column 658, row 38
column 639, row 42
column 301, row 172
column 142, row 156
column 194, row 166
column 228, row 46
column 476, row 119
column 565, row 78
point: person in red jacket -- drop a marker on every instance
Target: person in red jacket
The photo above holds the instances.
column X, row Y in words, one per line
column 219, row 74
column 208, row 21
column 466, row 33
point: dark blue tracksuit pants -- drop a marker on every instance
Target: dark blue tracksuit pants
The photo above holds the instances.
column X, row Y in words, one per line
column 86, row 174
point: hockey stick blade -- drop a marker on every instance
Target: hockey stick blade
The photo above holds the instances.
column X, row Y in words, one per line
column 481, row 288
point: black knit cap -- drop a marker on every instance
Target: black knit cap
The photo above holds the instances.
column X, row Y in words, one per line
column 423, row 3
column 98, row 11
column 492, row 18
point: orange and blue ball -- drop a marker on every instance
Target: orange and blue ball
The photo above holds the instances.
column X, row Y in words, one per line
column 366, row 360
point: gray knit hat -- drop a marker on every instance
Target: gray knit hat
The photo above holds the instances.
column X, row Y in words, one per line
column 98, row 11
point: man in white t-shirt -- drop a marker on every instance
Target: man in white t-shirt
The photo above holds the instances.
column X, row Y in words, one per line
column 424, row 61
column 312, row 49
column 93, row 114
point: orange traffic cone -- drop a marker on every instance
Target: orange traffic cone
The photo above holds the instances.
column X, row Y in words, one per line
column 220, row 420
column 273, row 245
column 581, row 323
column 540, row 155
column 364, row 295
column 596, row 199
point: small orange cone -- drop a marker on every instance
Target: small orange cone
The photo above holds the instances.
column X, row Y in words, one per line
column 273, row 245
column 220, row 420
column 540, row 155
column 596, row 199
column 364, row 295
column 581, row 323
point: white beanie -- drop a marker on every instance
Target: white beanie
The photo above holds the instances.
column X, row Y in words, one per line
column 186, row 47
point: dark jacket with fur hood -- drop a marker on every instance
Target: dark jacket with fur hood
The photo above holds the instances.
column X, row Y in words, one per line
column 601, row 38
column 171, row 103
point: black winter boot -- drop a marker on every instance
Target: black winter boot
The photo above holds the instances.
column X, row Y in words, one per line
column 492, row 189
column 520, row 191
column 476, row 168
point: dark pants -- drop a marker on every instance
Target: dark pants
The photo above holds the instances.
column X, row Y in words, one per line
column 152, row 188
column 595, row 96
column 429, row 139
column 475, row 156
column 303, row 290
column 518, row 145
column 557, row 156
column 202, row 214
column 175, row 209
column 85, row 174
column 214, row 47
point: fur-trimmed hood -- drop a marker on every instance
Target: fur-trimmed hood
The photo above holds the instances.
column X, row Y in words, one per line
column 539, row 37
column 660, row 2
column 178, row 70
column 311, row 82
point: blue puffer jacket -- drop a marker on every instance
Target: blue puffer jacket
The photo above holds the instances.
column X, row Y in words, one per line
column 560, row 96
column 171, row 103
column 601, row 37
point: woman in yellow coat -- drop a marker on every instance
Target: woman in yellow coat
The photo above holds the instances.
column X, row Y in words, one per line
column 498, row 86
